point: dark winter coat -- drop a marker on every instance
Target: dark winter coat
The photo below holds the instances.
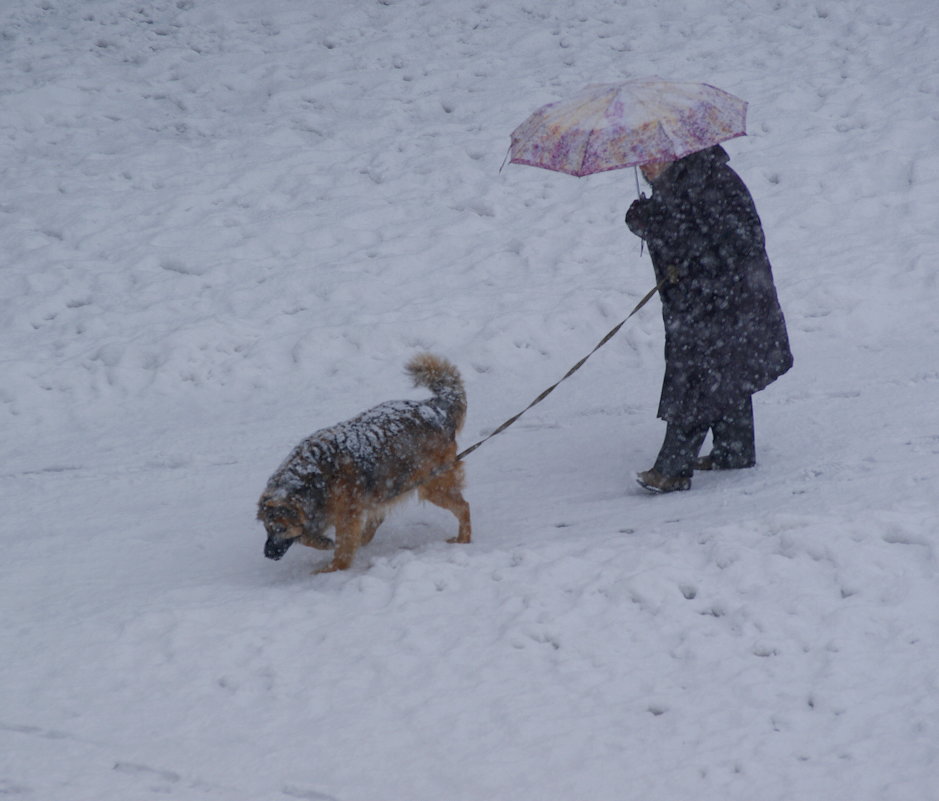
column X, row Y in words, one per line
column 725, row 335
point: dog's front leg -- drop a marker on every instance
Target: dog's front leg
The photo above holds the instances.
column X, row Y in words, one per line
column 348, row 539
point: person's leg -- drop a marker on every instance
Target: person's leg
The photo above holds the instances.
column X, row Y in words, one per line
column 734, row 442
column 674, row 465
column 677, row 454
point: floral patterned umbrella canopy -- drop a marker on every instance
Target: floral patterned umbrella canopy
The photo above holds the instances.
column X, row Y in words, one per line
column 609, row 126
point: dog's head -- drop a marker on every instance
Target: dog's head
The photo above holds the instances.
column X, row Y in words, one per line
column 283, row 523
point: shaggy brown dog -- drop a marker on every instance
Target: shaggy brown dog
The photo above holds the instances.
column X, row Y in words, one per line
column 348, row 475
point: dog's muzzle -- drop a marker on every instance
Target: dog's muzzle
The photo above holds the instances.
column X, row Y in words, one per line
column 275, row 549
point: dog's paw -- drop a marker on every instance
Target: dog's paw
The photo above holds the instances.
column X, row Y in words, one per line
column 333, row 567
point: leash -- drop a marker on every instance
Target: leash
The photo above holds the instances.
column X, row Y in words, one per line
column 463, row 454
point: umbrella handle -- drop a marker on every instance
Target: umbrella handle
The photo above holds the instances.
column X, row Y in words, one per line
column 640, row 196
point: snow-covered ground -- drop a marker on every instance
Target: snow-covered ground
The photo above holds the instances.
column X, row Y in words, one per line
column 224, row 224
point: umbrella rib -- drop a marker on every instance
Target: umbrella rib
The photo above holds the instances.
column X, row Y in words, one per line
column 583, row 155
column 594, row 127
column 641, row 101
column 573, row 110
column 670, row 138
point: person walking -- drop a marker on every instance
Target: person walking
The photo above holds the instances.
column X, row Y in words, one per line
column 725, row 333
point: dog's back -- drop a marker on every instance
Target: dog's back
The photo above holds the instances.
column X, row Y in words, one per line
column 396, row 444
column 387, row 442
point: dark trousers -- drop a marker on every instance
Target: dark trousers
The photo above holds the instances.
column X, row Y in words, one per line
column 734, row 444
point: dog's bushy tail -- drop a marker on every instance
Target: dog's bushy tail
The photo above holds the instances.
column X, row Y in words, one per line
column 442, row 378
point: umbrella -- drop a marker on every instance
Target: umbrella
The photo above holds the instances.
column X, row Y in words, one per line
column 609, row 126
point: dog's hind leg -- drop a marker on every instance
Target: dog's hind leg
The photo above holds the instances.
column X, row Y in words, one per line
column 446, row 492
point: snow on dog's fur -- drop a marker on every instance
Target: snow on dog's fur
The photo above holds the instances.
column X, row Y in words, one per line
column 346, row 476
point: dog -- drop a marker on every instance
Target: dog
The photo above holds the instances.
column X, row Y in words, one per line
column 347, row 476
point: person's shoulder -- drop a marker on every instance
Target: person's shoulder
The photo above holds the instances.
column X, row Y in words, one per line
column 730, row 180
